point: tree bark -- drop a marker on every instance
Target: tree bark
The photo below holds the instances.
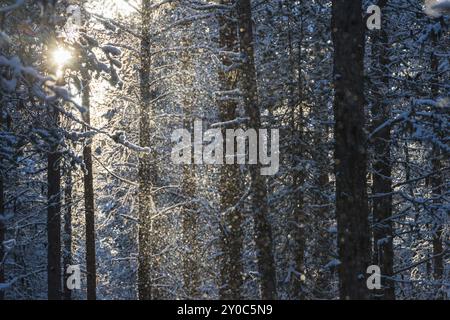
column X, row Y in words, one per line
column 147, row 171
column 2, row 215
column 54, row 216
column 383, row 254
column 67, row 237
column 89, row 205
column 263, row 232
column 191, row 264
column 437, row 180
column 231, row 180
column 296, row 105
column 348, row 31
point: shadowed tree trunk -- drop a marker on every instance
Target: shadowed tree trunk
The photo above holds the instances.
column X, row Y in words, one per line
column 191, row 267
column 437, row 181
column 231, row 180
column 348, row 31
column 54, row 215
column 323, row 212
column 54, row 276
column 147, row 261
column 383, row 254
column 2, row 215
column 67, row 237
column 191, row 264
column 258, row 188
column 89, row 205
column 296, row 105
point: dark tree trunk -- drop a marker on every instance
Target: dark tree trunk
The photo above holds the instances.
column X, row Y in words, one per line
column 191, row 264
column 323, row 212
column 191, row 267
column 296, row 105
column 54, row 276
column 263, row 232
column 437, row 183
column 382, row 168
column 348, row 31
column 54, row 216
column 231, row 180
column 147, row 171
column 2, row 215
column 67, row 237
column 323, row 241
column 437, row 180
column 89, row 205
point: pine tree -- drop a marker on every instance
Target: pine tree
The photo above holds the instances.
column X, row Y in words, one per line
column 231, row 179
column 348, row 31
column 89, row 205
column 147, row 171
column 382, row 168
column 258, row 188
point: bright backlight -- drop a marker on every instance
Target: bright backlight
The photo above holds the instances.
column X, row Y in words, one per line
column 61, row 57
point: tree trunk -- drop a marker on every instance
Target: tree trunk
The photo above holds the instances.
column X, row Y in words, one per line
column 147, row 171
column 191, row 264
column 437, row 181
column 231, row 180
column 348, row 31
column 54, row 216
column 383, row 254
column 2, row 215
column 263, row 232
column 191, row 267
column 67, row 237
column 323, row 212
column 296, row 105
column 89, row 205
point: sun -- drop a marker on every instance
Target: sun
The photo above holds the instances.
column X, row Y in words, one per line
column 61, row 57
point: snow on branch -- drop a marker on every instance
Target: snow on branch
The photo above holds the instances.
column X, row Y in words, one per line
column 210, row 6
column 230, row 123
column 121, row 138
column 437, row 8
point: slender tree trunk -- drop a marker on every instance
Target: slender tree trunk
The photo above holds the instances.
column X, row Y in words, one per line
column 2, row 215
column 191, row 265
column 54, row 216
column 350, row 149
column 322, row 246
column 323, row 212
column 437, row 181
column 382, row 168
column 231, row 180
column 191, row 275
column 147, row 171
column 298, row 153
column 54, row 276
column 89, row 205
column 67, row 237
column 191, row 268
column 263, row 232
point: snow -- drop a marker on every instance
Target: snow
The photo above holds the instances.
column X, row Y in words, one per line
column 437, row 8
column 332, row 264
column 121, row 138
column 230, row 123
